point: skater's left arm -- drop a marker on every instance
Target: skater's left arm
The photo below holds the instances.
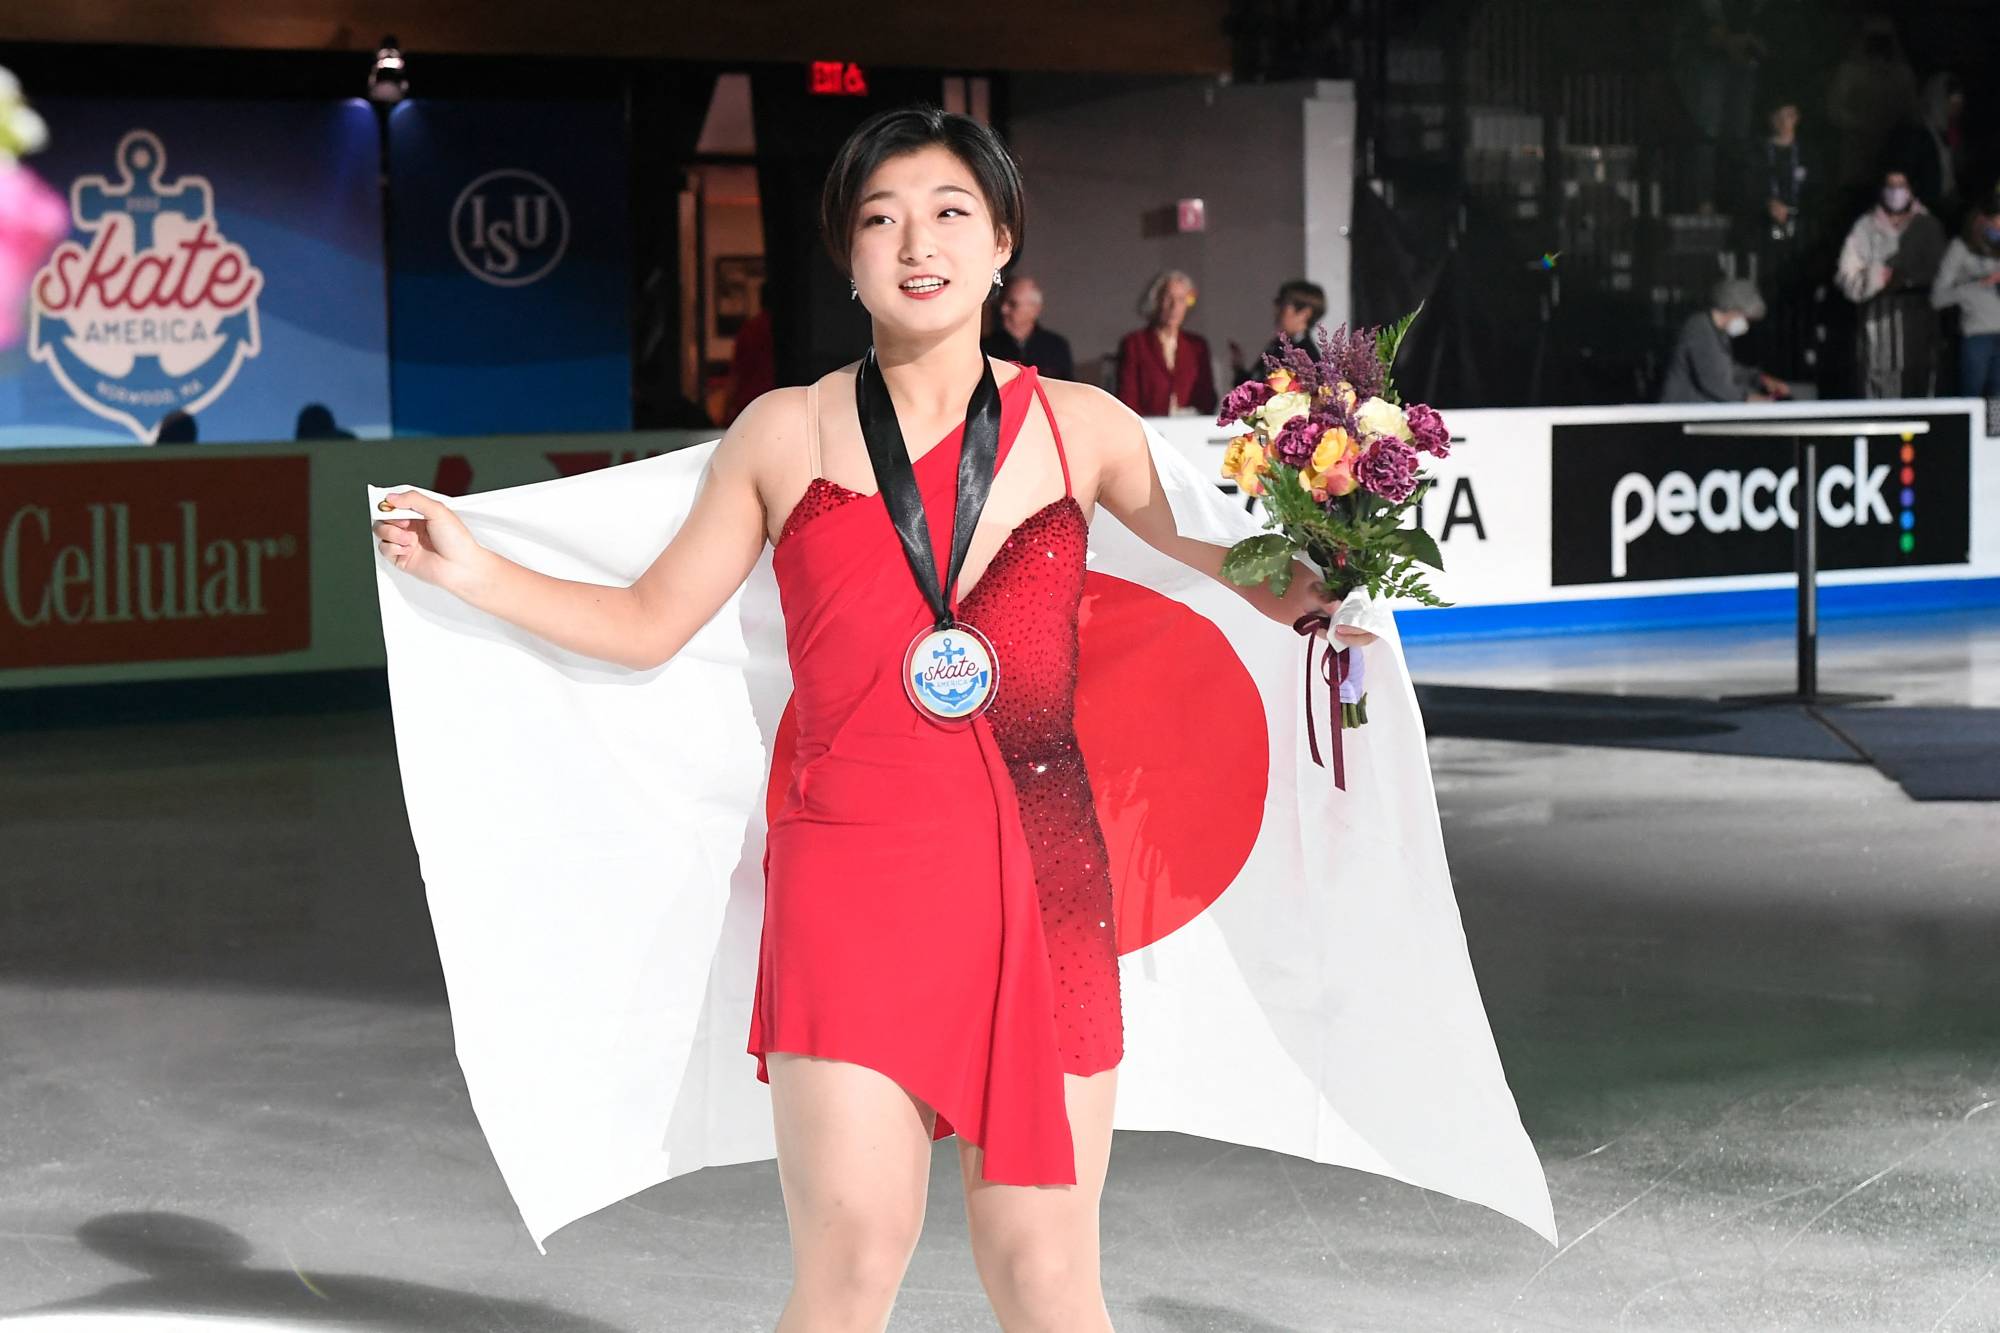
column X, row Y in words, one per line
column 1129, row 486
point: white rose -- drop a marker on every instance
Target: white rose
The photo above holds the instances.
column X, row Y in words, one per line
column 1379, row 416
column 1278, row 409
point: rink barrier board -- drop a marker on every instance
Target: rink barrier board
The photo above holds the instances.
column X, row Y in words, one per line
column 1493, row 518
column 1751, row 606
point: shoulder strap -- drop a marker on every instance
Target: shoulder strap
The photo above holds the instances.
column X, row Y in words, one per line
column 1049, row 412
column 812, row 429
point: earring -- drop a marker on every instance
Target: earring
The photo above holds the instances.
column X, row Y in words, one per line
column 996, row 277
column 853, row 292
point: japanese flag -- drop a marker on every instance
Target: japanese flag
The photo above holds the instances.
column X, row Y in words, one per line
column 1294, row 973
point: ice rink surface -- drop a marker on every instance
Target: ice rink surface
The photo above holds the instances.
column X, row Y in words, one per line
column 1750, row 1008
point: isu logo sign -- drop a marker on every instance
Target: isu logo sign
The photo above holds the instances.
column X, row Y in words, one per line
column 159, row 310
column 144, row 561
column 509, row 228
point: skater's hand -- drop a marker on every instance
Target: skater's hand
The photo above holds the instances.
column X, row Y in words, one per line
column 1308, row 597
column 437, row 548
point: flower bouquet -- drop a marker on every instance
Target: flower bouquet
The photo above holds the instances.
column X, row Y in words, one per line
column 1335, row 455
column 33, row 217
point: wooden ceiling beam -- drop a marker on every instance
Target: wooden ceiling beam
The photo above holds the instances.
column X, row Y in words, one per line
column 1108, row 36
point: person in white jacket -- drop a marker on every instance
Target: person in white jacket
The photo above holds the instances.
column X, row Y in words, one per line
column 1885, row 268
column 1969, row 279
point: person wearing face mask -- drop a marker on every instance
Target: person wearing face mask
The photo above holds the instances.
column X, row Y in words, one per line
column 1885, row 268
column 1703, row 369
column 1968, row 280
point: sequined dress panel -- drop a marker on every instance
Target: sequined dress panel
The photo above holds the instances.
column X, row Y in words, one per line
column 937, row 903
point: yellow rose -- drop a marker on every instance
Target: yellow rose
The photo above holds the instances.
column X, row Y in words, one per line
column 1378, row 416
column 1244, row 463
column 1280, row 380
column 1333, row 446
column 1345, row 393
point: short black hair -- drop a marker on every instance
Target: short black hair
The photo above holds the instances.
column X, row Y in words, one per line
column 1311, row 295
column 907, row 129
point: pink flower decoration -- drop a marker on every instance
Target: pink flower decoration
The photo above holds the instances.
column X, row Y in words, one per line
column 1427, row 429
column 1389, row 468
column 33, row 218
column 1296, row 440
column 1244, row 399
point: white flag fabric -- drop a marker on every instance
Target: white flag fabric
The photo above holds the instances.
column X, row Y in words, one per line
column 1294, row 974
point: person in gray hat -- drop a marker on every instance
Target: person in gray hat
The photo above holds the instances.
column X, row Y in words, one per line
column 1702, row 368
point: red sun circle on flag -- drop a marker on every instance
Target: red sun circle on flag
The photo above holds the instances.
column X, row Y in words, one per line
column 1171, row 726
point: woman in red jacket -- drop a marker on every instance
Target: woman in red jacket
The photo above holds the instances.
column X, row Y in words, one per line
column 1163, row 368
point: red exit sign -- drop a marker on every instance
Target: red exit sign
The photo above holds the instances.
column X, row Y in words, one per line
column 838, row 78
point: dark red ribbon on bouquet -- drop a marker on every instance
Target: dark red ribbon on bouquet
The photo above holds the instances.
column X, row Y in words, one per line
column 1333, row 669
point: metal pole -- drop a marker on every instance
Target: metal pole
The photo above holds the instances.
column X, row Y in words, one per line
column 1807, row 454
column 1805, row 434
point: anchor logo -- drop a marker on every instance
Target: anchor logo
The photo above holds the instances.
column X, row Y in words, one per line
column 159, row 311
column 939, row 697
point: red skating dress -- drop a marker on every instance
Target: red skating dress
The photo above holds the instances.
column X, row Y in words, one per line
column 937, row 905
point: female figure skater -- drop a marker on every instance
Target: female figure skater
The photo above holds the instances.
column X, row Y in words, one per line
column 936, row 951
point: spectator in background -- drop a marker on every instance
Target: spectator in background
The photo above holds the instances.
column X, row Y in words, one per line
column 1018, row 335
column 316, row 423
column 1873, row 91
column 1163, row 368
column 1777, row 228
column 1703, row 369
column 1933, row 146
column 1886, row 265
column 176, row 427
column 1969, row 279
column 753, row 363
column 1713, row 53
column 1296, row 310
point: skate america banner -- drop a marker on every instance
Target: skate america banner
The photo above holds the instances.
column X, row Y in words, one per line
column 154, row 560
column 509, row 246
column 224, row 261
column 1639, row 501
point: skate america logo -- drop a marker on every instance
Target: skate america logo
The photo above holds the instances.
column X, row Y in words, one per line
column 950, row 673
column 509, row 228
column 159, row 310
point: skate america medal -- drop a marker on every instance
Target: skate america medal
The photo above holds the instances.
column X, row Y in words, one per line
column 950, row 670
column 950, row 673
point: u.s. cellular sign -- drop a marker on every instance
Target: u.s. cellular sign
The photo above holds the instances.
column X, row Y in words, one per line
column 154, row 560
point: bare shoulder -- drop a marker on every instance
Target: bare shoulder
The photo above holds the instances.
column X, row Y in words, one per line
column 769, row 431
column 1094, row 420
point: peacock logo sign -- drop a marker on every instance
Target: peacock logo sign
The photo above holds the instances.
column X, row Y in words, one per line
column 157, row 311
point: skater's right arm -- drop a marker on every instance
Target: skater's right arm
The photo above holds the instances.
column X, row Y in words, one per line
column 644, row 624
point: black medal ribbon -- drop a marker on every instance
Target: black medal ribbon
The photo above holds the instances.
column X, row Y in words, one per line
column 896, row 477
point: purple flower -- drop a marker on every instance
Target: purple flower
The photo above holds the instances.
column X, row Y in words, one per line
column 1298, row 362
column 1244, row 399
column 1296, row 440
column 1428, row 429
column 1350, row 355
column 1389, row 468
